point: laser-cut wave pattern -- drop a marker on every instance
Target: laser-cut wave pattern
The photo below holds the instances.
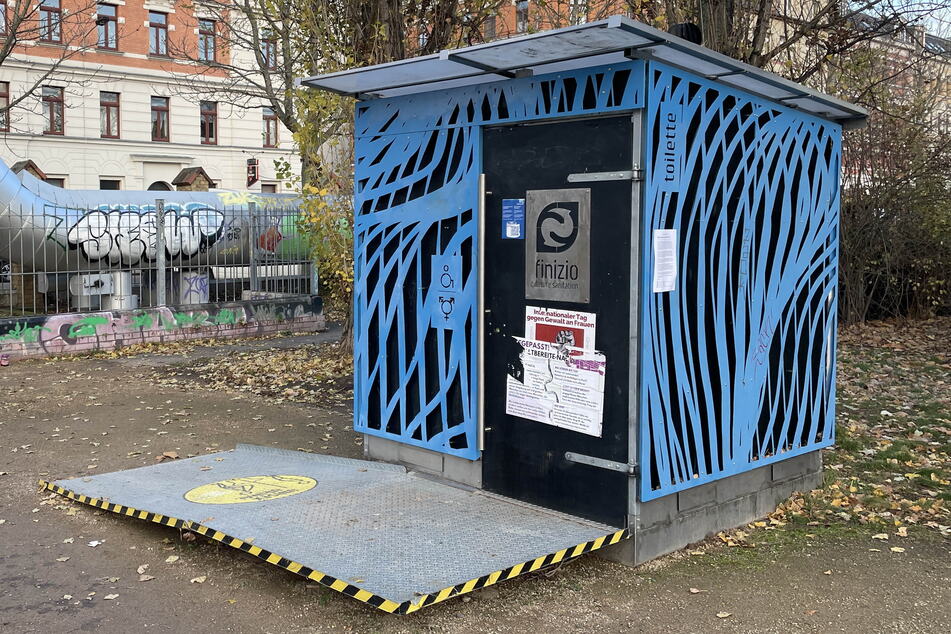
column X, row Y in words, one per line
column 417, row 163
column 738, row 362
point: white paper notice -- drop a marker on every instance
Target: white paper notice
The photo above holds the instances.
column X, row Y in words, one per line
column 665, row 260
column 558, row 386
column 567, row 327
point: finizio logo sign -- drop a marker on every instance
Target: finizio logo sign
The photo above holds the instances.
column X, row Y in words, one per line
column 557, row 253
column 557, row 227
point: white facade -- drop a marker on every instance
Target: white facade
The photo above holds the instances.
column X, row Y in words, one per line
column 83, row 158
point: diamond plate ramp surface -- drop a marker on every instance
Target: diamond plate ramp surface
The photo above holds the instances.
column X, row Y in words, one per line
column 371, row 530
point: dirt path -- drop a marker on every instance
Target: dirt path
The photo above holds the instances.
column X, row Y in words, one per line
column 70, row 417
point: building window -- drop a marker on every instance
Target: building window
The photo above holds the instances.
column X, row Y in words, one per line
column 209, row 122
column 158, row 33
column 521, row 16
column 51, row 21
column 160, row 118
column 4, row 105
column 270, row 128
column 110, row 183
column 578, row 11
column 489, row 28
column 3, row 17
column 107, row 23
column 269, row 52
column 268, row 188
column 56, row 181
column 53, row 110
column 109, row 115
column 206, row 40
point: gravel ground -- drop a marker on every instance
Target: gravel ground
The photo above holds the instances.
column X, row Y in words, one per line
column 61, row 418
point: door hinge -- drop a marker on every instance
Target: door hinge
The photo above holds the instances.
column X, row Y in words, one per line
column 620, row 175
column 621, row 467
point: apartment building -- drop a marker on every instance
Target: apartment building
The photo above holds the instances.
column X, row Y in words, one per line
column 127, row 103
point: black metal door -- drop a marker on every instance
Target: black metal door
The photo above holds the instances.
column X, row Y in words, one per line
column 522, row 458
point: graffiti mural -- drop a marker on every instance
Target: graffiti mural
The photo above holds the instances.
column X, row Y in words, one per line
column 5, row 275
column 108, row 330
column 129, row 237
column 48, row 229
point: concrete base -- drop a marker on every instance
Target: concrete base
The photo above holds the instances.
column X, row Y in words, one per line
column 418, row 459
column 670, row 523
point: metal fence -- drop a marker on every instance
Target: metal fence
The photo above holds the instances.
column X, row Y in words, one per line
column 56, row 260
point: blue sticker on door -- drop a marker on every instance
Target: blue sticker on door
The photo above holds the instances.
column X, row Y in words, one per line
column 513, row 218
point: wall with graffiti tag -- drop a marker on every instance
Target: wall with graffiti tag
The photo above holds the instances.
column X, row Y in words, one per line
column 48, row 229
column 108, row 330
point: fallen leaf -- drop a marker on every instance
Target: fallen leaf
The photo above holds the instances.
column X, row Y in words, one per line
column 67, row 596
column 724, row 615
column 146, row 577
column 112, row 579
column 68, row 540
column 827, row 572
column 62, row 559
column 696, row 590
column 200, row 579
column 810, row 612
column 897, row 549
column 94, row 543
column 110, row 597
column 171, row 559
column 903, row 531
column 882, row 536
column 141, row 569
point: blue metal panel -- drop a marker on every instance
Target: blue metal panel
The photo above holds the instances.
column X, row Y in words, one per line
column 738, row 362
column 417, row 164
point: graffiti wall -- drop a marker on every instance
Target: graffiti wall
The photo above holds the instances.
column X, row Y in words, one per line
column 83, row 332
column 47, row 229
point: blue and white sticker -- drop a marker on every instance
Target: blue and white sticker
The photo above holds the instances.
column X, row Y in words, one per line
column 513, row 218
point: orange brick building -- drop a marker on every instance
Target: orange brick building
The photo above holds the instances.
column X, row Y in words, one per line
column 123, row 99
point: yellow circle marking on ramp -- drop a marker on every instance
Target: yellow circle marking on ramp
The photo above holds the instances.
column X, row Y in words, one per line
column 250, row 489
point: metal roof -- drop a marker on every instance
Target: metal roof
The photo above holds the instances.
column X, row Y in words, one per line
column 609, row 41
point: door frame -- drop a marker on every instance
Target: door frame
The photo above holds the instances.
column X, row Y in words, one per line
column 638, row 134
column 634, row 334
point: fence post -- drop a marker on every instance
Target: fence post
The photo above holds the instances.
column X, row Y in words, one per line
column 160, row 264
column 252, row 247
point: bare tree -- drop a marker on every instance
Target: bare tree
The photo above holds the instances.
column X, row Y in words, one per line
column 265, row 46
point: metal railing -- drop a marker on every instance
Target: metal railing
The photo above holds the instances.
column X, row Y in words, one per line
column 57, row 260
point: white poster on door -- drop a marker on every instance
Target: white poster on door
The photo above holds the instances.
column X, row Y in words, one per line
column 566, row 327
column 557, row 385
column 665, row 260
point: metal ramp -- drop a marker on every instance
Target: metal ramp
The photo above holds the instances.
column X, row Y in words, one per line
column 395, row 540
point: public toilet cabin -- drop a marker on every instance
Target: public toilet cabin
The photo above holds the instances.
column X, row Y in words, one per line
column 596, row 272
column 595, row 311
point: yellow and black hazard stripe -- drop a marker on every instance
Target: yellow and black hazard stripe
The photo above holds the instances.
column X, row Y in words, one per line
column 382, row 603
column 532, row 565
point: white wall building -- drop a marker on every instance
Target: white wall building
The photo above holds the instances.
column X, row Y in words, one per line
column 91, row 151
